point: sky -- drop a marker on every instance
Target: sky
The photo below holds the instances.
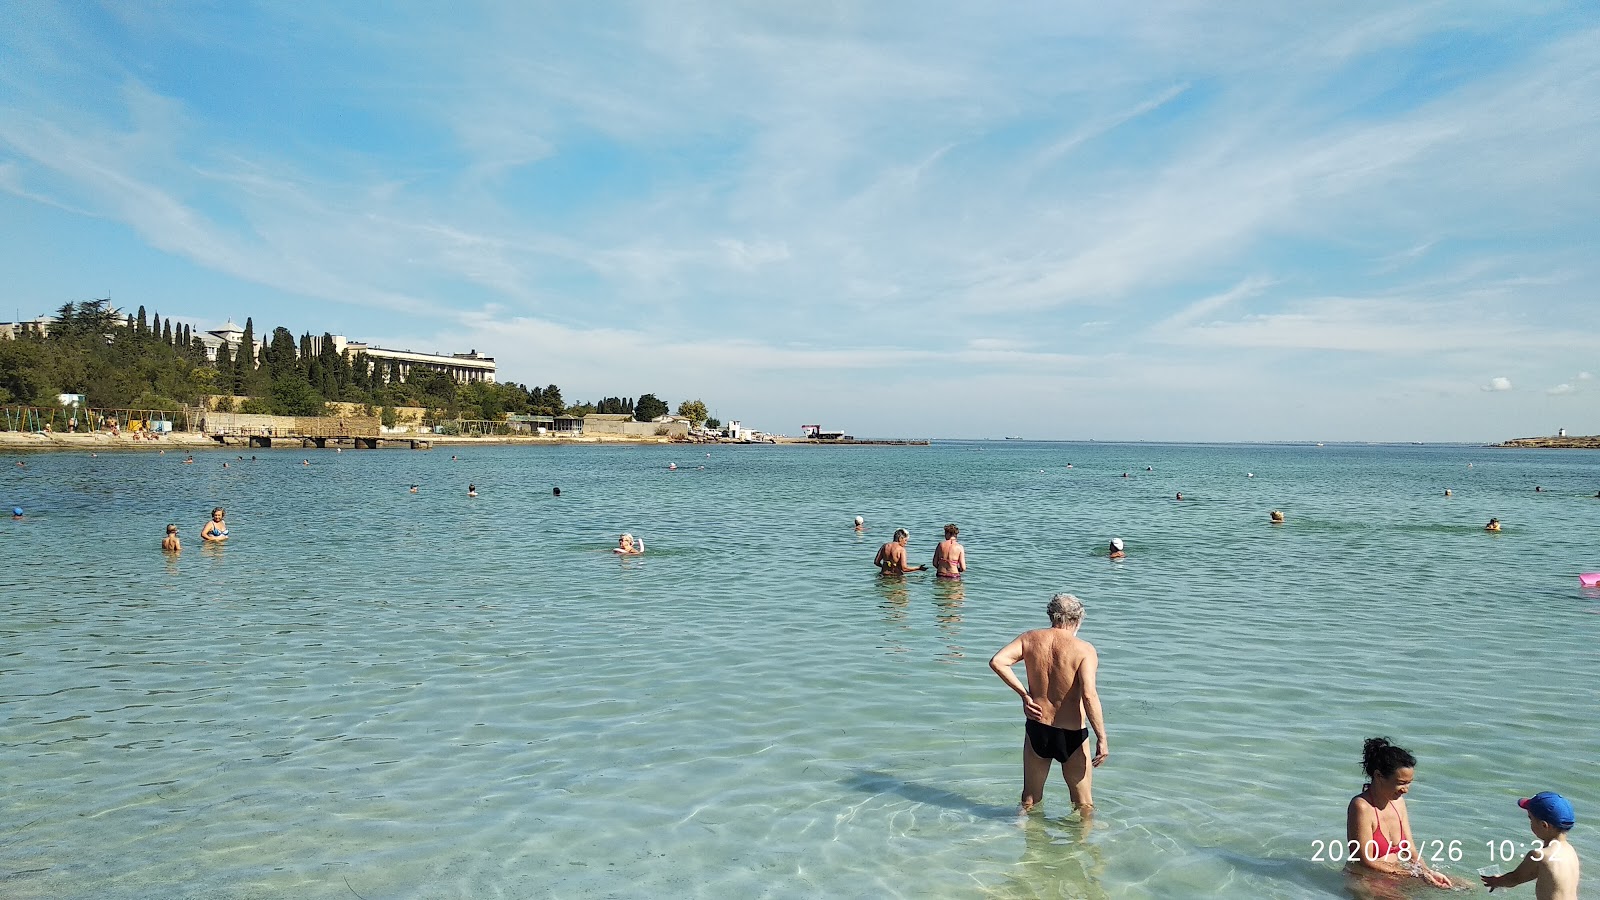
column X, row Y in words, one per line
column 1179, row 221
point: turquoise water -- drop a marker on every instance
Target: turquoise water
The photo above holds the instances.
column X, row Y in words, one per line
column 379, row 694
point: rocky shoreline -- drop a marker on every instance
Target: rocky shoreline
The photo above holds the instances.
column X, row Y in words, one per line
column 1565, row 442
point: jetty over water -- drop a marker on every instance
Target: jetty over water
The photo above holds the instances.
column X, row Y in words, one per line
column 308, row 431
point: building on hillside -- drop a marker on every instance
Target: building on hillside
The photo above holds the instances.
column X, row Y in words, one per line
column 12, row 330
column 231, row 335
column 465, row 368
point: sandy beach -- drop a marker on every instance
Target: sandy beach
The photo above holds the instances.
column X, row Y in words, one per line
column 105, row 441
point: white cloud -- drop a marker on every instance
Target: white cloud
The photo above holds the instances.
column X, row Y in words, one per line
column 1584, row 376
column 1498, row 384
column 1561, row 389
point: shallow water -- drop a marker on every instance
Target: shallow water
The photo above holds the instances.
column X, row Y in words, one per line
column 375, row 693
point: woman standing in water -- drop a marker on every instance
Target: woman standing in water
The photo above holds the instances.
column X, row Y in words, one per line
column 1377, row 828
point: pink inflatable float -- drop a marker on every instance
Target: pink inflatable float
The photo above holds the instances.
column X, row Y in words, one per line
column 1589, row 579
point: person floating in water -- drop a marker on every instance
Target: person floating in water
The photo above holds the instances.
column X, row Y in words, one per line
column 1059, row 699
column 1275, row 517
column 555, row 492
column 1179, row 496
column 891, row 558
column 413, row 489
column 1115, row 550
column 1553, row 865
column 472, row 490
column 950, row 558
column 1447, row 493
column 170, row 543
column 861, row 524
column 1494, row 525
column 216, row 530
column 627, row 546
column 16, row 511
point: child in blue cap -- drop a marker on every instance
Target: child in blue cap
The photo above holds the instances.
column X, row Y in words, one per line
column 1554, row 863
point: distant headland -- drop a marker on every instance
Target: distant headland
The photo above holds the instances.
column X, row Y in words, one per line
column 1561, row 441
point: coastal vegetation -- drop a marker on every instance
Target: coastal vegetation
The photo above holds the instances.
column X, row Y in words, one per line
column 131, row 361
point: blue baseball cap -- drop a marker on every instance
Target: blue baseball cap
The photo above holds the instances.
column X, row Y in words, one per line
column 1551, row 807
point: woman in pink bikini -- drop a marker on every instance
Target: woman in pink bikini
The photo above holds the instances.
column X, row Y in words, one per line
column 1377, row 828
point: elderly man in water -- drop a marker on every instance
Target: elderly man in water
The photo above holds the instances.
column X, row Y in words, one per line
column 1058, row 700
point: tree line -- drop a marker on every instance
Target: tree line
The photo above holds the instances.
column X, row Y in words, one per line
column 135, row 362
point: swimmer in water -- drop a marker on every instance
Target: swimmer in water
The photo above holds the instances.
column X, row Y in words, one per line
column 891, row 558
column 1494, row 525
column 216, row 530
column 671, row 466
column 413, row 489
column 472, row 490
column 1179, row 497
column 861, row 524
column 1537, row 489
column 170, row 542
column 627, row 546
column 1275, row 517
column 188, row 461
column 16, row 511
column 1116, row 549
column 950, row 558
column 555, row 492
column 1447, row 493
column 305, row 462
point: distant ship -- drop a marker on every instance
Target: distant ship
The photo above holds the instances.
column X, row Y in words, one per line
column 1016, row 439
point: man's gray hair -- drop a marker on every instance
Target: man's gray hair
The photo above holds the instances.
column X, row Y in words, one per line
column 901, row 533
column 1064, row 608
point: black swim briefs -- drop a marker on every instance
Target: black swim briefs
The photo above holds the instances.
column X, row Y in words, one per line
column 1055, row 743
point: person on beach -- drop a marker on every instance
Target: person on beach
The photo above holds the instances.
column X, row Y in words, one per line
column 627, row 546
column 216, row 530
column 891, row 558
column 1494, row 525
column 1377, row 827
column 1275, row 517
column 1115, row 550
column 170, row 542
column 1060, row 695
column 861, row 524
column 1552, row 867
column 950, row 558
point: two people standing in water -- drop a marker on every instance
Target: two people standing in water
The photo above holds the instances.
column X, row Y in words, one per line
column 949, row 558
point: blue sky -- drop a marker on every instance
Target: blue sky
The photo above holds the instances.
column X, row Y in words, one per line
column 1184, row 221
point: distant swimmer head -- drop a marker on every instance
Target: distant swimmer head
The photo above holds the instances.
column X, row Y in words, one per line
column 1494, row 525
column 555, row 492
column 1447, row 492
column 1064, row 609
column 1116, row 543
column 16, row 511
column 861, row 521
column 1276, row 516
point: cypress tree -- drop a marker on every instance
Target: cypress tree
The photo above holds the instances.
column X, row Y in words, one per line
column 166, row 333
column 155, row 325
column 141, row 326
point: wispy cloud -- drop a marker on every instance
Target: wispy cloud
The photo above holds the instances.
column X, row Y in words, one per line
column 1499, row 383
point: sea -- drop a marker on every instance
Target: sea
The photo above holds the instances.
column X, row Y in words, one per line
column 373, row 693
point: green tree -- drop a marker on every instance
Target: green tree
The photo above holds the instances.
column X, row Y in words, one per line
column 648, row 407
column 713, row 423
column 141, row 324
column 694, row 410
column 388, row 417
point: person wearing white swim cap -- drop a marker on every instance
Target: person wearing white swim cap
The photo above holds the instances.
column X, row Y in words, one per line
column 1116, row 549
column 861, row 524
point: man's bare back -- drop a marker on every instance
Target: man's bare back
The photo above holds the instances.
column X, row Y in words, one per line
column 1054, row 662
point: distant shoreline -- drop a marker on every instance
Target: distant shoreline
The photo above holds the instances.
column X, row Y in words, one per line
column 1580, row 442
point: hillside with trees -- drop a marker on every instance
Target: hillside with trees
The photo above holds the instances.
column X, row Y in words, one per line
column 131, row 362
